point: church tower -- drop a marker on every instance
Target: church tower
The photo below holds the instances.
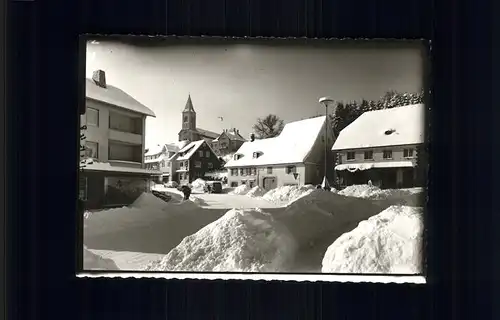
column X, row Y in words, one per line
column 188, row 131
column 189, row 116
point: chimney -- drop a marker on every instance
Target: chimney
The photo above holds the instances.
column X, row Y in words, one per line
column 99, row 77
column 252, row 137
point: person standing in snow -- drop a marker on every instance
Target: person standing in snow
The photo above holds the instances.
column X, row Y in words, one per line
column 370, row 183
column 187, row 192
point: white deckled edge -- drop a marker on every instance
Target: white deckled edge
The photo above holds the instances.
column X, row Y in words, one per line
column 417, row 279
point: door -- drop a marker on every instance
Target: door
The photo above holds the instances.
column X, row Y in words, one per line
column 270, row 183
column 408, row 177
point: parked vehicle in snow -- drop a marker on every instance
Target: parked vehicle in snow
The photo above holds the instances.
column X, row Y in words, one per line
column 213, row 187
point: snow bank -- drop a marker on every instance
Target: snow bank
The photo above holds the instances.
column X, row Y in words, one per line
column 320, row 213
column 198, row 185
column 148, row 200
column 287, row 194
column 375, row 193
column 390, row 242
column 171, row 184
column 240, row 190
column 256, row 192
column 240, row 241
column 144, row 211
column 360, row 191
column 92, row 261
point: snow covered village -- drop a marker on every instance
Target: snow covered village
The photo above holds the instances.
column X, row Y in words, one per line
column 335, row 185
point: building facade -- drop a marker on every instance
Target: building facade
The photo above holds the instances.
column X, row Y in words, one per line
column 295, row 157
column 162, row 158
column 195, row 160
column 229, row 141
column 381, row 147
column 112, row 159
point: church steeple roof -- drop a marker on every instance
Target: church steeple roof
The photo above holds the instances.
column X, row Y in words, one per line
column 189, row 105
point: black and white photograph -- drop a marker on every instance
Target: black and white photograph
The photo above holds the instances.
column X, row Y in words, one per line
column 253, row 156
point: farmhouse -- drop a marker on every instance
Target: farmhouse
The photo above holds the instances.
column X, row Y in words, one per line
column 295, row 157
column 195, row 160
column 113, row 146
column 380, row 146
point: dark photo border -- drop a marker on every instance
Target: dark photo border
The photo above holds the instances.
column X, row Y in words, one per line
column 41, row 130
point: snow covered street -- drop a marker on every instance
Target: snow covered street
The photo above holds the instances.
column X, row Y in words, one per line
column 213, row 232
column 228, row 201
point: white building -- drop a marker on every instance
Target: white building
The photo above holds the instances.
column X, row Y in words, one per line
column 162, row 158
column 381, row 146
column 295, row 157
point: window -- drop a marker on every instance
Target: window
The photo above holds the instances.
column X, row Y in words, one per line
column 163, row 164
column 243, row 182
column 210, row 165
column 235, row 172
column 182, row 164
column 185, row 119
column 200, row 154
column 83, row 188
column 197, row 164
column 291, row 169
column 368, row 155
column 124, row 123
column 269, row 169
column 387, row 154
column 248, row 171
column 408, row 153
column 91, row 149
column 187, row 163
column 242, row 172
column 92, row 117
column 351, row 156
column 234, row 184
column 257, row 154
column 254, row 171
column 168, row 164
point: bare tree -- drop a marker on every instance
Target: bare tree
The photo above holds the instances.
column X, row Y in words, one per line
column 268, row 127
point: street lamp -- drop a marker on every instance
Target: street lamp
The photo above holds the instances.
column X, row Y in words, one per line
column 326, row 101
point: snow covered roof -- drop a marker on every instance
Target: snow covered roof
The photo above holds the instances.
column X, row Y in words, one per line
column 232, row 135
column 388, row 127
column 293, row 145
column 169, row 147
column 154, row 150
column 116, row 97
column 371, row 165
column 190, row 149
column 207, row 133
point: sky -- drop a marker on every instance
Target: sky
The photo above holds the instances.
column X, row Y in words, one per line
column 243, row 81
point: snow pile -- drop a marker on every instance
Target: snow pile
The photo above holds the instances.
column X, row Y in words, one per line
column 92, row 261
column 198, row 185
column 144, row 211
column 148, row 201
column 240, row 190
column 360, row 191
column 240, row 241
column 227, row 157
column 171, row 184
column 390, row 242
column 256, row 192
column 287, row 194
